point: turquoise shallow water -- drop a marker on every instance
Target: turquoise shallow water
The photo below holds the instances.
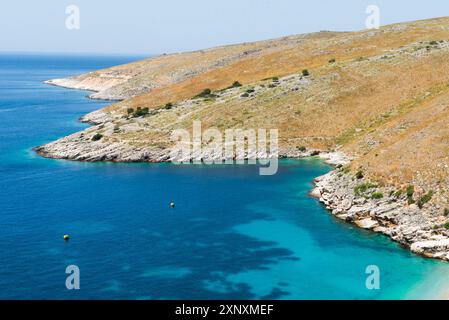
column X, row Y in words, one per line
column 233, row 234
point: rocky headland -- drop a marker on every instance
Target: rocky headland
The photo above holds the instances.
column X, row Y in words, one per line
column 397, row 213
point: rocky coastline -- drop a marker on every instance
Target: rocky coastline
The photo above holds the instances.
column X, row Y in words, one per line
column 101, row 88
column 355, row 200
column 384, row 209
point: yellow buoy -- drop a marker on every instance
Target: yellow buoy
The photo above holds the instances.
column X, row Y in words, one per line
column 66, row 237
column 172, row 205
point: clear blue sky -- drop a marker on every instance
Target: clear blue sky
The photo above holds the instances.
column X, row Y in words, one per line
column 153, row 26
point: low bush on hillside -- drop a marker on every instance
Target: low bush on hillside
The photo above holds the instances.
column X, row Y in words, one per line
column 206, row 93
column 377, row 195
column 398, row 193
column 410, row 192
column 140, row 112
column 424, row 199
column 97, row 137
column 305, row 73
column 364, row 187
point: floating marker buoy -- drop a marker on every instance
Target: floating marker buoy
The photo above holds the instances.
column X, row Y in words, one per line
column 66, row 237
column 172, row 205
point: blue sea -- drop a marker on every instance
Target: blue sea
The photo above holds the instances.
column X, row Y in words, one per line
column 233, row 234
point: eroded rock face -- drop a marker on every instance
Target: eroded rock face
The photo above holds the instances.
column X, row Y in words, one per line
column 418, row 229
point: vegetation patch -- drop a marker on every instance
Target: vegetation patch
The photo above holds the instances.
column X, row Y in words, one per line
column 168, row 106
column 141, row 112
column 410, row 192
column 424, row 199
column 206, row 93
column 398, row 193
column 377, row 195
column 97, row 137
column 364, row 187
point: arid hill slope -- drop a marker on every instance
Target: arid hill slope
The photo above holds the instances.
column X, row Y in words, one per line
column 379, row 95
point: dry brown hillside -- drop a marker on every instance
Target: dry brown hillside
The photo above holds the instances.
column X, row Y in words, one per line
column 379, row 95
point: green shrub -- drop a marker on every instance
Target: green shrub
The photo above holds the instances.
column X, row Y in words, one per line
column 446, row 212
column 130, row 111
column 276, row 79
column 236, row 84
column 305, row 73
column 168, row 106
column 302, row 149
column 446, row 225
column 433, row 43
column 424, row 199
column 250, row 90
column 410, row 192
column 362, row 188
column 206, row 93
column 97, row 137
column 332, row 60
column 359, row 174
column 245, row 95
column 377, row 195
column 398, row 193
column 141, row 112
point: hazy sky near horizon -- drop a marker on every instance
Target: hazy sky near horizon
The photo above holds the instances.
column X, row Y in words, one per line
column 153, row 26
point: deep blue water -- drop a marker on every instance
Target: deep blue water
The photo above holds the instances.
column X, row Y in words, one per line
column 233, row 234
